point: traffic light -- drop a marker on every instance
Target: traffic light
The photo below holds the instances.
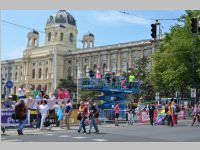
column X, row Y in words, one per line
column 194, row 25
column 153, row 30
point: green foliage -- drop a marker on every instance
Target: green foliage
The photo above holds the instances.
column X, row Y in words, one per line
column 68, row 83
column 141, row 72
column 172, row 62
column 84, row 94
column 14, row 97
column 2, row 96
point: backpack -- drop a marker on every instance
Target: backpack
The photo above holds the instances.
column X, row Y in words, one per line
column 67, row 109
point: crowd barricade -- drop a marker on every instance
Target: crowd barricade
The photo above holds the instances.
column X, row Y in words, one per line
column 144, row 116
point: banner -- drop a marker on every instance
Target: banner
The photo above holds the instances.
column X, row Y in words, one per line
column 144, row 116
column 6, row 119
column 32, row 103
column 182, row 115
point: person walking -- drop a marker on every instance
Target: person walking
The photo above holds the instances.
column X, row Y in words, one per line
column 130, row 114
column 38, row 115
column 56, row 108
column 116, row 108
column 151, row 109
column 44, row 110
column 68, row 112
column 93, row 115
column 170, row 115
column 131, row 80
column 21, row 114
column 82, row 115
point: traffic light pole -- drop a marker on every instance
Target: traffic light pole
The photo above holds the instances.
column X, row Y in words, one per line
column 193, row 63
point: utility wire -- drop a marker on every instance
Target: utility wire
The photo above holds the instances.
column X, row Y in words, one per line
column 20, row 26
column 162, row 19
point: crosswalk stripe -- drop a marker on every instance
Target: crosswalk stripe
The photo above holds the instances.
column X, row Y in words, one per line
column 79, row 137
column 12, row 140
column 49, row 134
column 100, row 140
column 64, row 136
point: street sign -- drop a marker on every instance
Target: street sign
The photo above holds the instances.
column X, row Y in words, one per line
column 9, row 84
column 193, row 92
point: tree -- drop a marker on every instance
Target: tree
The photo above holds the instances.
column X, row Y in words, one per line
column 141, row 72
column 68, row 83
column 172, row 61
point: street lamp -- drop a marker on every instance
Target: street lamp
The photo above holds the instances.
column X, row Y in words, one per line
column 77, row 78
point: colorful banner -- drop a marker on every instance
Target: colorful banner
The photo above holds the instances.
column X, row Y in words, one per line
column 32, row 103
column 182, row 115
column 144, row 116
column 6, row 119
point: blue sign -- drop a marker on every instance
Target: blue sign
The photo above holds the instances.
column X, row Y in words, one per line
column 9, row 84
column 6, row 118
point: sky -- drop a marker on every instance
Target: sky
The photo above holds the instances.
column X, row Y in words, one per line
column 108, row 26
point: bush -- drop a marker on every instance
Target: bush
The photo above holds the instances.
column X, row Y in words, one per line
column 2, row 96
column 14, row 97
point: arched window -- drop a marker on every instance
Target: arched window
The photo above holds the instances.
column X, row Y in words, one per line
column 104, row 69
column 46, row 73
column 15, row 75
column 49, row 36
column 71, row 37
column 95, row 68
column 114, row 67
column 61, row 36
column 40, row 73
column 124, row 67
column 85, row 70
column 33, row 74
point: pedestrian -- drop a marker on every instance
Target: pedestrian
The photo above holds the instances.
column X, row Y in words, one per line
column 8, row 103
column 62, row 121
column 44, row 110
column 116, row 108
column 196, row 114
column 93, row 115
column 21, row 114
column 130, row 114
column 151, row 109
column 39, row 116
column 131, row 80
column 113, row 80
column 68, row 112
column 56, row 108
column 21, row 92
column 82, row 115
column 107, row 77
column 91, row 73
column 170, row 115
column 176, row 110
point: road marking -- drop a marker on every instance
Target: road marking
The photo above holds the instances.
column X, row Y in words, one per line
column 49, row 134
column 80, row 137
column 13, row 140
column 3, row 138
column 100, row 140
column 64, row 136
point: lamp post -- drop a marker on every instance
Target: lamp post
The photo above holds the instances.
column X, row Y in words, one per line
column 77, row 78
column 54, row 68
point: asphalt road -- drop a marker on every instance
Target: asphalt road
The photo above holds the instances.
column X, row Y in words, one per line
column 109, row 133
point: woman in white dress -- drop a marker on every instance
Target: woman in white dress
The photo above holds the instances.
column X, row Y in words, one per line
column 44, row 110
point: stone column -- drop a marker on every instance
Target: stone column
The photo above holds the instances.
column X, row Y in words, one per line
column 109, row 61
column 130, row 59
column 119, row 63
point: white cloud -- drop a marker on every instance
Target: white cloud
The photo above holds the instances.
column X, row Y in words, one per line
column 113, row 17
column 12, row 54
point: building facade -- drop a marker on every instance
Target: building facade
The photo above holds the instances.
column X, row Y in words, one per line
column 44, row 66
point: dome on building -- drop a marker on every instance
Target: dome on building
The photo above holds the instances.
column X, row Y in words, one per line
column 61, row 17
column 89, row 34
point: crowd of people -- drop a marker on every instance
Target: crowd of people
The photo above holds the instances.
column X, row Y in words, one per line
column 111, row 79
column 88, row 114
